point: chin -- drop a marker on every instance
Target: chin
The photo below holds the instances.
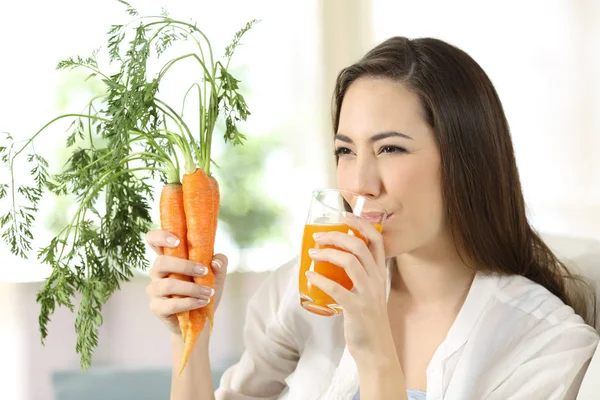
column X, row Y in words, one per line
column 394, row 245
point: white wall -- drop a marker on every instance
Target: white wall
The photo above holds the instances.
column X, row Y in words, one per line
column 12, row 363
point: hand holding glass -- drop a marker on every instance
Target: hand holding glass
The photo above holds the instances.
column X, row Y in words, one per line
column 326, row 214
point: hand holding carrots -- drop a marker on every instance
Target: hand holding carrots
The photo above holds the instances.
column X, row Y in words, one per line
column 170, row 296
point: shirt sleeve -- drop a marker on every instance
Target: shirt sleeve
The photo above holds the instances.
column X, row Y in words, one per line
column 556, row 369
column 271, row 351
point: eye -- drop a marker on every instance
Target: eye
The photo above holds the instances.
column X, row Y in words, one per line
column 392, row 150
column 340, row 151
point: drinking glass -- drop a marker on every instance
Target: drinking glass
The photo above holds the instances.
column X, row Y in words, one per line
column 326, row 214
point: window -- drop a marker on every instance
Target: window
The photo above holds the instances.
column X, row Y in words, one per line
column 277, row 60
column 542, row 58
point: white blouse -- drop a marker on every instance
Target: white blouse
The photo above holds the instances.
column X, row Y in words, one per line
column 512, row 339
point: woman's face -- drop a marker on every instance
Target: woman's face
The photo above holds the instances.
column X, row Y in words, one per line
column 387, row 152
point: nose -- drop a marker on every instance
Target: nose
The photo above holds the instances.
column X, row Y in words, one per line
column 367, row 181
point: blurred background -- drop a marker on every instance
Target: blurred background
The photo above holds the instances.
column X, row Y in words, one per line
column 542, row 56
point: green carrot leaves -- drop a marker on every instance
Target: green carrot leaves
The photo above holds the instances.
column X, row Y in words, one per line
column 120, row 141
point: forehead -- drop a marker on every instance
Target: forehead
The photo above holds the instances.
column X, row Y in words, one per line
column 374, row 105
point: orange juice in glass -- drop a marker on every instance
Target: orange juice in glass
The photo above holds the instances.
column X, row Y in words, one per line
column 326, row 214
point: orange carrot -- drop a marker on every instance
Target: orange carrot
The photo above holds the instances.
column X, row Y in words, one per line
column 201, row 204
column 172, row 219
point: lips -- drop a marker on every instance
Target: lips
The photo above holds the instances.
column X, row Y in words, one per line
column 373, row 216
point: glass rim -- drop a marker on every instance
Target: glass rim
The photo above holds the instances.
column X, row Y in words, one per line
column 322, row 190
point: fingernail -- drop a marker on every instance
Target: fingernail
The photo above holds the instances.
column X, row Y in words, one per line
column 318, row 235
column 216, row 263
column 312, row 252
column 203, row 302
column 309, row 274
column 200, row 270
column 207, row 291
column 173, row 241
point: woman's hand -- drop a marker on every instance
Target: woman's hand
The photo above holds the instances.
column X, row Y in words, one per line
column 162, row 288
column 366, row 324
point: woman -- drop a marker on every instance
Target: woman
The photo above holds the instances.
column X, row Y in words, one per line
column 458, row 298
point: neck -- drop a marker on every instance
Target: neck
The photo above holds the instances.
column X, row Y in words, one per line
column 432, row 276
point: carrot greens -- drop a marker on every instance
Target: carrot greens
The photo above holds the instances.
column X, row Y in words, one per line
column 118, row 144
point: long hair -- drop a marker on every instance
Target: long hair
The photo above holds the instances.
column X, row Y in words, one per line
column 481, row 189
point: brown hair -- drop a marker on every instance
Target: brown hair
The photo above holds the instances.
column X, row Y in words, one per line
column 484, row 205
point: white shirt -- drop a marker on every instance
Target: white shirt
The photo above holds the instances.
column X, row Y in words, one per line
column 512, row 339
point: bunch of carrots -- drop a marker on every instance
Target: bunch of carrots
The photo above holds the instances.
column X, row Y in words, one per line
column 137, row 132
column 190, row 212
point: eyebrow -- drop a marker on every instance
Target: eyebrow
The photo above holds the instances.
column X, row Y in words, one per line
column 374, row 138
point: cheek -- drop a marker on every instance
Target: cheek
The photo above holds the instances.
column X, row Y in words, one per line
column 416, row 187
column 403, row 179
column 344, row 175
column 416, row 191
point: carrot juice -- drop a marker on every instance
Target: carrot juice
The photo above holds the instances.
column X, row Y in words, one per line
column 312, row 298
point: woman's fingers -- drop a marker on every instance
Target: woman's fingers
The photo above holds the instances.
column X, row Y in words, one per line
column 165, row 307
column 374, row 238
column 164, row 265
column 339, row 293
column 348, row 261
column 172, row 289
column 157, row 239
column 175, row 287
column 219, row 265
column 346, row 242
